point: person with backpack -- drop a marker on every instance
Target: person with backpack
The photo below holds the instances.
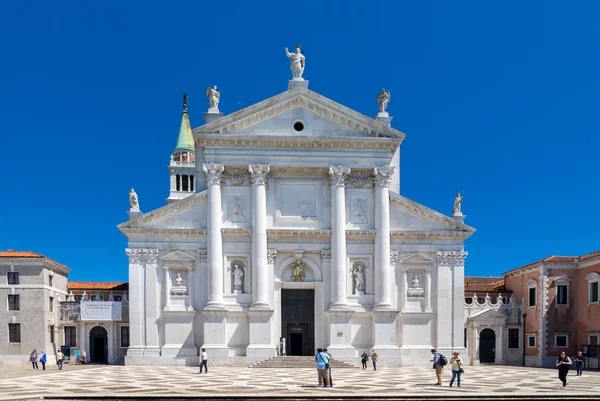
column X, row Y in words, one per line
column 439, row 361
column 364, row 358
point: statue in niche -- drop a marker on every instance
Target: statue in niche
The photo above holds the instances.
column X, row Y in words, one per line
column 179, row 288
column 297, row 62
column 383, row 98
column 457, row 204
column 298, row 272
column 133, row 200
column 359, row 212
column 359, row 280
column 236, row 211
column 415, row 282
column 179, row 280
column 238, row 276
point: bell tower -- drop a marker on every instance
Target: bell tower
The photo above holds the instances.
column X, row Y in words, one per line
column 183, row 160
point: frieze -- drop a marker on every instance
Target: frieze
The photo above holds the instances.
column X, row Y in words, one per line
column 142, row 255
column 234, row 177
column 451, row 257
column 295, row 143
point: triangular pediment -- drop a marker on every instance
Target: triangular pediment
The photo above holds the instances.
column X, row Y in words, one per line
column 489, row 314
column 178, row 256
column 320, row 117
column 185, row 214
column 407, row 215
column 416, row 258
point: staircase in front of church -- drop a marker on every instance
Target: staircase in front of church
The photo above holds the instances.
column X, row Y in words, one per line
column 298, row 362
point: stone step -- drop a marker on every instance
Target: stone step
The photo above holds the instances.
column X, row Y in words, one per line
column 297, row 362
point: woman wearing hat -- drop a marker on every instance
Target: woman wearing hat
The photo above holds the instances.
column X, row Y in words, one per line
column 457, row 369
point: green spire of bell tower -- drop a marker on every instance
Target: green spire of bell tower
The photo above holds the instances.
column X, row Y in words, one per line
column 185, row 140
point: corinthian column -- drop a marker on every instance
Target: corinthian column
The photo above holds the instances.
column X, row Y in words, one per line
column 383, row 178
column 215, row 241
column 258, row 175
column 337, row 176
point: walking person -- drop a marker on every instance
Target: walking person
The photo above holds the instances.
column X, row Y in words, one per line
column 579, row 359
column 563, row 362
column 33, row 358
column 322, row 360
column 438, row 365
column 457, row 368
column 203, row 361
column 43, row 360
column 329, row 367
column 374, row 357
column 60, row 357
column 364, row 358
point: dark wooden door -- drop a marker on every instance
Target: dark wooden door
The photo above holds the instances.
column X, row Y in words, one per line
column 487, row 346
column 298, row 321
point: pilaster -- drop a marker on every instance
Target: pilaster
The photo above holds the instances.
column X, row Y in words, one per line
column 450, row 301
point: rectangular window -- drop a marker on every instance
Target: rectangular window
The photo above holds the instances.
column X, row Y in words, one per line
column 513, row 338
column 124, row 336
column 71, row 336
column 562, row 295
column 13, row 302
column 184, row 182
column 532, row 292
column 51, row 305
column 118, row 298
column 177, row 182
column 13, row 277
column 52, row 334
column 531, row 341
column 593, row 339
column 14, row 333
column 50, row 280
column 594, row 292
column 192, row 183
column 561, row 341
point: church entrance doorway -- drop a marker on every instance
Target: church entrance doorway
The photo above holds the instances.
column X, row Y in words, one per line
column 487, row 346
column 298, row 321
column 99, row 345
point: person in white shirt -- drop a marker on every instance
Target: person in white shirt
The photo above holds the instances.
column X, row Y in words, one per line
column 203, row 361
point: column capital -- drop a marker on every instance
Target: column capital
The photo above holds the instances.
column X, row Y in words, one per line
column 258, row 173
column 271, row 255
column 394, row 258
column 142, row 255
column 451, row 257
column 337, row 175
column 383, row 175
column 213, row 172
column 326, row 255
column 202, row 253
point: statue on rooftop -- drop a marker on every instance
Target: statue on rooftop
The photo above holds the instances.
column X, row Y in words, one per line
column 383, row 98
column 133, row 200
column 214, row 97
column 457, row 204
column 297, row 62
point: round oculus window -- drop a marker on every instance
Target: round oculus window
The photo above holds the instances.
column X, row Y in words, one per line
column 298, row 126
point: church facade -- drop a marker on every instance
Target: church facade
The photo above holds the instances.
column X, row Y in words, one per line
column 285, row 231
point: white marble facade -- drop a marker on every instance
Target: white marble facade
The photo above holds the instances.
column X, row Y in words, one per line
column 209, row 270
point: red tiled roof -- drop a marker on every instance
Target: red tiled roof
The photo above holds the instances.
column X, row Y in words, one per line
column 11, row 253
column 97, row 286
column 484, row 284
column 590, row 255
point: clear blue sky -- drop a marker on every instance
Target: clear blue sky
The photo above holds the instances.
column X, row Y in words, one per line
column 499, row 99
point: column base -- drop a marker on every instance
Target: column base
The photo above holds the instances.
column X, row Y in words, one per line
column 260, row 306
column 135, row 351
column 212, row 305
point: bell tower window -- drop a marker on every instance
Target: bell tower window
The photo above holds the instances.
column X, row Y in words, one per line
column 185, row 183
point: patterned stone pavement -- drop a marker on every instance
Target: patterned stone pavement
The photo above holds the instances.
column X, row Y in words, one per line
column 123, row 381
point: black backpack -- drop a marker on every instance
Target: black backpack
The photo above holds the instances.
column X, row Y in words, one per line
column 443, row 361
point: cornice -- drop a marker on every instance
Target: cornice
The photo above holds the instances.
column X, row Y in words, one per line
column 172, row 233
column 46, row 262
column 299, row 142
column 283, row 233
column 428, row 214
column 435, row 235
column 310, row 100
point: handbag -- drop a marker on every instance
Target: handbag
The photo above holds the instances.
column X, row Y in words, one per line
column 460, row 369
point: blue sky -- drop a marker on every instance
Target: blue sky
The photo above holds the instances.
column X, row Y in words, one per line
column 498, row 99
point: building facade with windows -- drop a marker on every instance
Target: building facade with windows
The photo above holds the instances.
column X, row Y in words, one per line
column 94, row 320
column 32, row 286
column 561, row 307
column 285, row 221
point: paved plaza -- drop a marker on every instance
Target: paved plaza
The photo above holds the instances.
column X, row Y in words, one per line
column 122, row 381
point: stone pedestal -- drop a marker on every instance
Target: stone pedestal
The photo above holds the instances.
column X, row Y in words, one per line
column 459, row 217
column 212, row 115
column 179, row 331
column 297, row 83
column 384, row 118
column 340, row 334
column 133, row 213
column 384, row 337
column 214, row 325
column 260, row 347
